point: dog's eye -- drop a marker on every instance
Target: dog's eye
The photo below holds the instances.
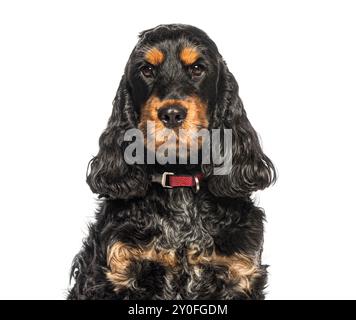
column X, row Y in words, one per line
column 147, row 71
column 197, row 70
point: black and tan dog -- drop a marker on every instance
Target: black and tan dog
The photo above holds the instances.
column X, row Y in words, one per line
column 154, row 242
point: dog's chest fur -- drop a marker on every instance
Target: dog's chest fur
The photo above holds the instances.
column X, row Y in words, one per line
column 182, row 227
column 168, row 244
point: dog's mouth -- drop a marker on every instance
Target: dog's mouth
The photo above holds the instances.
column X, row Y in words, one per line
column 173, row 123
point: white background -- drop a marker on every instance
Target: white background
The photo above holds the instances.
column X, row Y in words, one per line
column 61, row 62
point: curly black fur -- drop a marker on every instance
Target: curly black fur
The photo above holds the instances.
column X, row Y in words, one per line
column 220, row 218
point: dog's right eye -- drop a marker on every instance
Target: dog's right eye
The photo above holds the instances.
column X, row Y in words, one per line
column 147, row 71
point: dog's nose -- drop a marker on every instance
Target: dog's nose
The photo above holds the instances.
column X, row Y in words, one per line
column 172, row 116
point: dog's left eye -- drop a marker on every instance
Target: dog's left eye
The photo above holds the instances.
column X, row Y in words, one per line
column 147, row 71
column 197, row 70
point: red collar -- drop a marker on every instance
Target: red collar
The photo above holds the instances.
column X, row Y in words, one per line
column 171, row 180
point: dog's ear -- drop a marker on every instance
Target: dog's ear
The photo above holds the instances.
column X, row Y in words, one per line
column 251, row 169
column 108, row 173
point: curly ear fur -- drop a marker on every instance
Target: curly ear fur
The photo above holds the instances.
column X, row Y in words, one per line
column 251, row 169
column 110, row 176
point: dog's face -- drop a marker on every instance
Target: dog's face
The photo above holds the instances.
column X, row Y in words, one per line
column 173, row 81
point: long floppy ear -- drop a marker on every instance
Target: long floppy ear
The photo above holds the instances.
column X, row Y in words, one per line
column 251, row 169
column 109, row 174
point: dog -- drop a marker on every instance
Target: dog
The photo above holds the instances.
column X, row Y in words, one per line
column 175, row 230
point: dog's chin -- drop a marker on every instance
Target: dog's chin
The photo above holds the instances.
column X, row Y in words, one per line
column 174, row 146
column 173, row 139
column 181, row 146
column 180, row 150
column 174, row 153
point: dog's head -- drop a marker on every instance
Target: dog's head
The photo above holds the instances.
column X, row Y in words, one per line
column 177, row 80
column 173, row 75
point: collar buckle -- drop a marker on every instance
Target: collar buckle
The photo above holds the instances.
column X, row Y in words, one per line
column 164, row 179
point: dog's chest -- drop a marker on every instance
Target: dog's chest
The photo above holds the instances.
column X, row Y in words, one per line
column 182, row 225
column 173, row 247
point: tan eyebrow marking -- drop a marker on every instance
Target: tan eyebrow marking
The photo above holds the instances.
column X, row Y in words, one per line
column 189, row 55
column 154, row 56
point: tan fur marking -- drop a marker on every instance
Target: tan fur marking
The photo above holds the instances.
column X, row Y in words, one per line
column 154, row 56
column 196, row 119
column 120, row 256
column 240, row 267
column 189, row 55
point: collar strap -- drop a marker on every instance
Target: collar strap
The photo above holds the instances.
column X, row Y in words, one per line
column 170, row 180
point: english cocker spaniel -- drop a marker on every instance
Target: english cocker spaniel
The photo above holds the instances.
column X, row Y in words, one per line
column 175, row 229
